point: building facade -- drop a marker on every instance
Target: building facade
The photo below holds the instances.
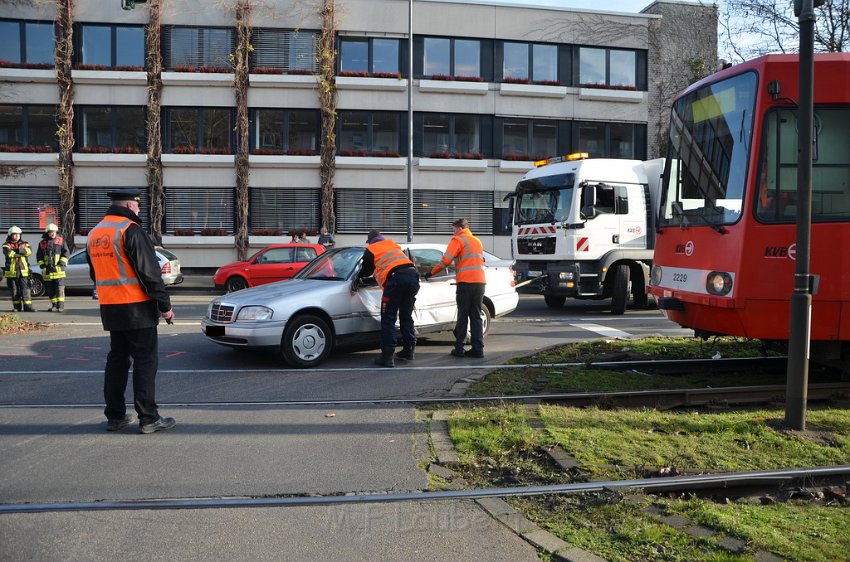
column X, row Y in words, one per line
column 491, row 87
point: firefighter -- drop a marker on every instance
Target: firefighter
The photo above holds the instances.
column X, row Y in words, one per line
column 52, row 256
column 468, row 254
column 17, row 270
column 400, row 282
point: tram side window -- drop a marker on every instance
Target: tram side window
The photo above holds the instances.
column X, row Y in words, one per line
column 777, row 189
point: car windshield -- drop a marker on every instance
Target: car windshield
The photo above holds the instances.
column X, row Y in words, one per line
column 544, row 199
column 336, row 265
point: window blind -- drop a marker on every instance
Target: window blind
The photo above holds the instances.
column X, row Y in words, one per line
column 284, row 208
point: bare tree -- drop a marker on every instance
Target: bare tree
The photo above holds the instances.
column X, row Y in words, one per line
column 751, row 28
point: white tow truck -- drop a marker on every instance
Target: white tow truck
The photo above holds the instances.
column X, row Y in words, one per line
column 584, row 228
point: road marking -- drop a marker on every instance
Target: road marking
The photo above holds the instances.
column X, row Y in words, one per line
column 604, row 331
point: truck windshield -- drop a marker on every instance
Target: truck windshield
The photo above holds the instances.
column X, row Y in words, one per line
column 544, row 199
column 710, row 142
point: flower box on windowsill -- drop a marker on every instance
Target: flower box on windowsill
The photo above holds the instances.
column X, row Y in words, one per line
column 371, row 162
column 122, row 77
column 370, row 83
column 532, row 90
column 454, row 164
column 108, row 159
column 516, row 166
column 600, row 94
column 277, row 80
column 43, row 75
column 454, row 87
column 282, row 161
column 198, row 160
column 171, row 78
column 172, row 241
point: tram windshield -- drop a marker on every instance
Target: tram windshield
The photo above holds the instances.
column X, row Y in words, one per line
column 544, row 199
column 777, row 187
column 710, row 141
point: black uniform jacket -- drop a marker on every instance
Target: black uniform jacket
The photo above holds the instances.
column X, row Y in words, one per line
column 142, row 256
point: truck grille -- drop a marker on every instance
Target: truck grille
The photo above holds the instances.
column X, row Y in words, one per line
column 221, row 313
column 536, row 245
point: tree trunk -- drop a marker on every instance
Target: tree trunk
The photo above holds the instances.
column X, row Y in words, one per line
column 156, row 193
column 65, row 117
column 240, row 85
column 327, row 98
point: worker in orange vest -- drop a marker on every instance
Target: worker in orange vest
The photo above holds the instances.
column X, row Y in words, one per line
column 468, row 254
column 398, row 278
column 132, row 299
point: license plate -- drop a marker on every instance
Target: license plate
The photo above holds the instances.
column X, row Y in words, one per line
column 535, row 273
column 214, row 330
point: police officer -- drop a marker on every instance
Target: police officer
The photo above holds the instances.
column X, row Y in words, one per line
column 400, row 282
column 468, row 254
column 132, row 299
column 16, row 270
column 52, row 256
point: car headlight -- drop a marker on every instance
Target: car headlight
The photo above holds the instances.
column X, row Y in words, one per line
column 718, row 283
column 566, row 276
column 255, row 313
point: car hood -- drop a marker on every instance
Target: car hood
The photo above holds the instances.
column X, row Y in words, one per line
column 303, row 289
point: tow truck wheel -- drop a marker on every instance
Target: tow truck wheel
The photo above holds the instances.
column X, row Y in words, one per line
column 621, row 290
column 554, row 301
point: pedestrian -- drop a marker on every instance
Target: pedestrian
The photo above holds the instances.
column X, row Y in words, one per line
column 468, row 254
column 16, row 270
column 302, row 238
column 52, row 257
column 326, row 239
column 400, row 282
column 132, row 299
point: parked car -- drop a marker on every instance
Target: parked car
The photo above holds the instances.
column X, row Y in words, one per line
column 325, row 306
column 273, row 263
column 77, row 273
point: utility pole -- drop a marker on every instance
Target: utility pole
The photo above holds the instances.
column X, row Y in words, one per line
column 799, row 331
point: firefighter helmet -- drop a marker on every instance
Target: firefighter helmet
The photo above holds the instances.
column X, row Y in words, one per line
column 52, row 227
column 14, row 230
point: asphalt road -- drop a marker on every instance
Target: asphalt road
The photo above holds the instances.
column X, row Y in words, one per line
column 53, row 447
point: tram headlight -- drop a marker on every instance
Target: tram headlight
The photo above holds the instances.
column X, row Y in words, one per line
column 719, row 283
column 655, row 276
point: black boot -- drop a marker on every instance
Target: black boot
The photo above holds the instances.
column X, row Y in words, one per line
column 28, row 308
column 406, row 354
column 386, row 357
column 60, row 307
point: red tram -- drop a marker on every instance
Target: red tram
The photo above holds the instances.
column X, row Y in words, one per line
column 725, row 244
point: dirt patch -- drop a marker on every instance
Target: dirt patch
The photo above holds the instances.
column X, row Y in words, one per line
column 11, row 324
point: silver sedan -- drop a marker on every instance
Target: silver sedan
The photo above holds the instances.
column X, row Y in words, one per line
column 326, row 306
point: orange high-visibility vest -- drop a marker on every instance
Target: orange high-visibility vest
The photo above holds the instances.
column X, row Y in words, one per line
column 117, row 282
column 388, row 255
column 467, row 251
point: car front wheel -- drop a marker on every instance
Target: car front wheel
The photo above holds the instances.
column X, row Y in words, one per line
column 307, row 341
column 235, row 283
column 36, row 285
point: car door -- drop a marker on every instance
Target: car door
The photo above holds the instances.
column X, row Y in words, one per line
column 274, row 264
column 435, row 302
column 303, row 256
column 77, row 272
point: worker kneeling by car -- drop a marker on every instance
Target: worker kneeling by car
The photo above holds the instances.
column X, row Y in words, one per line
column 399, row 281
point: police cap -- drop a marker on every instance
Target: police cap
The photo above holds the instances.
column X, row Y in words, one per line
column 125, row 194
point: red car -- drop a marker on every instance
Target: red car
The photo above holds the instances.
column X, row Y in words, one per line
column 273, row 263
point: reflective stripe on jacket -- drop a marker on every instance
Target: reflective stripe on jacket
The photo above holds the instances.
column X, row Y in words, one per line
column 52, row 254
column 16, row 254
column 117, row 282
column 467, row 251
column 388, row 255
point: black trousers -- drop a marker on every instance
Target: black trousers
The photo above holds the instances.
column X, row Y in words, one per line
column 398, row 301
column 20, row 289
column 142, row 347
column 470, row 297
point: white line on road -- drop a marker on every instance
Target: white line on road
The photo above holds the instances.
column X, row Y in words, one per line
column 604, row 331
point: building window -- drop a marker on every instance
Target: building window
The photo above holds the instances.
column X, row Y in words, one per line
column 119, row 47
column 284, row 50
column 369, row 57
column 28, row 128
column 280, row 131
column 527, row 63
column 611, row 68
column 284, row 209
column 23, row 206
column 197, row 48
column 610, row 140
column 199, row 130
column 26, row 44
column 363, row 133
column 454, row 59
column 198, row 209
column 444, row 135
column 93, row 201
column 529, row 139
column 112, row 129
